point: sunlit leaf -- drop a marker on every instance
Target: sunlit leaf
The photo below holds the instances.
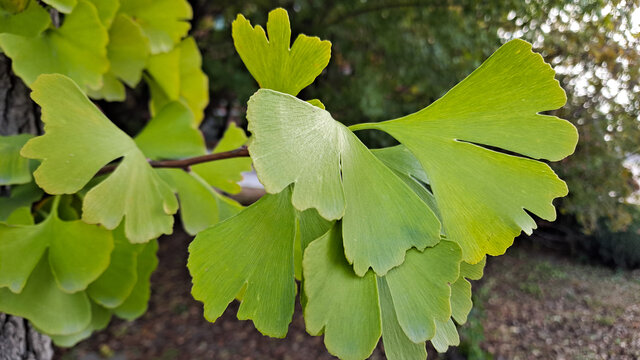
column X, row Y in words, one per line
column 482, row 193
column 164, row 22
column 77, row 49
column 46, row 306
column 225, row 174
column 178, row 75
column 79, row 140
column 296, row 142
column 252, row 251
column 14, row 169
column 275, row 63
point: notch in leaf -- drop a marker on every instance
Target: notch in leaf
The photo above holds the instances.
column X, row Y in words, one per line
column 274, row 63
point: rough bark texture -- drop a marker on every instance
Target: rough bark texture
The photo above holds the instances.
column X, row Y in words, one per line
column 18, row 114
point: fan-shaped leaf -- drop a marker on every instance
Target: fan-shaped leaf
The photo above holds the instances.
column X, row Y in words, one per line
column 275, row 63
column 28, row 23
column 14, row 169
column 251, row 252
column 138, row 301
column 482, row 193
column 78, row 141
column 296, row 142
column 77, row 49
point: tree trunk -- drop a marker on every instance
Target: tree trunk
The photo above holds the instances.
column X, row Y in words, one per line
column 18, row 114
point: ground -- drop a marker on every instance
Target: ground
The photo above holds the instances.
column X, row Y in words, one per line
column 531, row 305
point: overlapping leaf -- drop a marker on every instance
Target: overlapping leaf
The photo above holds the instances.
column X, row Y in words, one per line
column 127, row 51
column 78, row 141
column 296, row 142
column 353, row 312
column 225, row 174
column 14, row 169
column 178, row 75
column 77, row 49
column 138, row 301
column 275, row 63
column 64, row 6
column 482, row 193
column 164, row 22
column 78, row 252
column 28, row 23
column 21, row 196
column 250, row 253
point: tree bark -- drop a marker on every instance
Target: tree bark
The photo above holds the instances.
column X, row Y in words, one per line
column 18, row 114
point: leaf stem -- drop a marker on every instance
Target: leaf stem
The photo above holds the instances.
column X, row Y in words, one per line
column 362, row 126
column 185, row 163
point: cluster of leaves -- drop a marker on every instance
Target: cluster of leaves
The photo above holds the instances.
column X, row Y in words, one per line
column 424, row 47
column 70, row 261
column 382, row 241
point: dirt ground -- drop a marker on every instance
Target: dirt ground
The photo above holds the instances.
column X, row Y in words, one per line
column 532, row 305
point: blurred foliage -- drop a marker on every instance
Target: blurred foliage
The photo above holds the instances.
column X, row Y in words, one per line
column 616, row 248
column 393, row 57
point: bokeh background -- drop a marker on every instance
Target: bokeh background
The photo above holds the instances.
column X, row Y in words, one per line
column 570, row 291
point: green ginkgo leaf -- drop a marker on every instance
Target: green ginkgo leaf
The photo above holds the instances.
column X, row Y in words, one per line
column 116, row 283
column 127, row 51
column 77, row 49
column 250, row 253
column 14, row 169
column 138, row 301
column 171, row 134
column 28, row 23
column 46, row 306
column 164, row 22
column 482, row 193
column 77, row 252
column 178, row 75
column 13, row 6
column 100, row 318
column 225, row 174
column 64, row 6
column 296, row 142
column 275, row 63
column 353, row 312
column 461, row 304
column 107, row 10
column 79, row 140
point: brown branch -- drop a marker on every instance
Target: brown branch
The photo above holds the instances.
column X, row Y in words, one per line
column 185, row 163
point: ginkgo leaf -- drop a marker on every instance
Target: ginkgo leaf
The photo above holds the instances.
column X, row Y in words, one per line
column 347, row 308
column 171, row 134
column 225, row 174
column 13, row 6
column 310, row 227
column 14, row 169
column 78, row 252
column 164, row 22
column 28, row 23
column 21, row 196
column 482, row 193
column 46, row 306
column 251, row 252
column 461, row 304
column 397, row 346
column 138, row 301
column 296, row 142
column 275, row 63
column 116, row 283
column 79, row 140
column 107, row 10
column 100, row 318
column 178, row 75
column 64, row 6
column 77, row 49
column 200, row 205
column 127, row 51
